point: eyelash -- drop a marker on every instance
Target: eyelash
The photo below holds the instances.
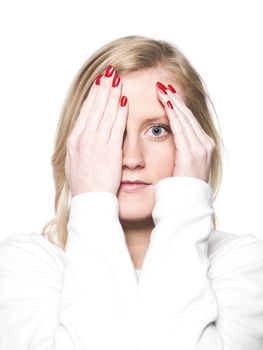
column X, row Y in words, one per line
column 159, row 138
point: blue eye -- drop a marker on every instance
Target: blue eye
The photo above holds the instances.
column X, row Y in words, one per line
column 155, row 128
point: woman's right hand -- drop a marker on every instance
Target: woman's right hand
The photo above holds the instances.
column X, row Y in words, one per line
column 94, row 146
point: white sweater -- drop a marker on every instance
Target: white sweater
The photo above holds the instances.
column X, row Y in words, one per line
column 199, row 288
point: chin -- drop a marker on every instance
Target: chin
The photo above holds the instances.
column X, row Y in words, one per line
column 136, row 215
column 134, row 209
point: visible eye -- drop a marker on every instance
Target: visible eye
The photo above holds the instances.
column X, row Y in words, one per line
column 156, row 129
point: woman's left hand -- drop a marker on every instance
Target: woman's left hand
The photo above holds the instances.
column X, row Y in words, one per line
column 193, row 147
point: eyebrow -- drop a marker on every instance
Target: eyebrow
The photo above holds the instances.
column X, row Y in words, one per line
column 155, row 118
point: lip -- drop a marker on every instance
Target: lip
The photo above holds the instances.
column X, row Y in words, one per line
column 136, row 181
column 132, row 187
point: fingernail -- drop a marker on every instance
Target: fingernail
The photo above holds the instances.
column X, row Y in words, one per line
column 171, row 88
column 169, row 104
column 123, row 101
column 161, row 87
column 97, row 82
column 109, row 71
column 116, row 80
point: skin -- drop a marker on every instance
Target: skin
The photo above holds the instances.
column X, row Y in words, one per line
column 148, row 155
column 94, row 145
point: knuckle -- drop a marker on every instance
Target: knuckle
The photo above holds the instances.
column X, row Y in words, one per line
column 117, row 130
column 118, row 126
column 211, row 141
column 105, row 125
column 120, row 130
column 105, row 88
column 211, row 147
column 213, row 144
column 70, row 142
column 82, row 143
column 115, row 91
column 96, row 109
column 202, row 152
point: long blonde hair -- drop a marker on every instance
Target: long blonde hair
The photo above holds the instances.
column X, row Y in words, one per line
column 128, row 54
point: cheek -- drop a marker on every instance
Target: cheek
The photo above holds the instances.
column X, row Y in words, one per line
column 161, row 159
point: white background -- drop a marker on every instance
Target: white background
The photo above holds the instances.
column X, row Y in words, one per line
column 44, row 43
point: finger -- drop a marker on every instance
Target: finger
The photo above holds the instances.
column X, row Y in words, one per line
column 85, row 108
column 174, row 114
column 118, row 129
column 88, row 102
column 110, row 113
column 180, row 104
column 180, row 139
column 98, row 107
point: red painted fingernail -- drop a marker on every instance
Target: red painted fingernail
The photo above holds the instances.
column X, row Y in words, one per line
column 169, row 104
column 171, row 88
column 123, row 101
column 116, row 80
column 97, row 82
column 109, row 71
column 161, row 87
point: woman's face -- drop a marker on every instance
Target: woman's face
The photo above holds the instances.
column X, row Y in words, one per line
column 148, row 151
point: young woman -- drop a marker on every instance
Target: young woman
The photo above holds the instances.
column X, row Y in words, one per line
column 137, row 166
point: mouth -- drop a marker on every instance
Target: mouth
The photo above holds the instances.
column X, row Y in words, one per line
column 133, row 187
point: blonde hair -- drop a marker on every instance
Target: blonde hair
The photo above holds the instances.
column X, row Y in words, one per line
column 128, row 54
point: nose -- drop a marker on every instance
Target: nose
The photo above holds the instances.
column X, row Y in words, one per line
column 132, row 153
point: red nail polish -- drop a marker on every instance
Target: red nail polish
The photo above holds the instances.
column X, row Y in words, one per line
column 97, row 82
column 116, row 80
column 123, row 101
column 109, row 71
column 171, row 88
column 161, row 87
column 169, row 104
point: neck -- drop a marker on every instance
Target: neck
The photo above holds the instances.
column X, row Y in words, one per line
column 138, row 238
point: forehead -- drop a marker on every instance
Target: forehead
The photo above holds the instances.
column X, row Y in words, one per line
column 140, row 89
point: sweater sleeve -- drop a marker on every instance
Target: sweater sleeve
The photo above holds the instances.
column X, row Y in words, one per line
column 236, row 275
column 181, row 308
column 86, row 304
